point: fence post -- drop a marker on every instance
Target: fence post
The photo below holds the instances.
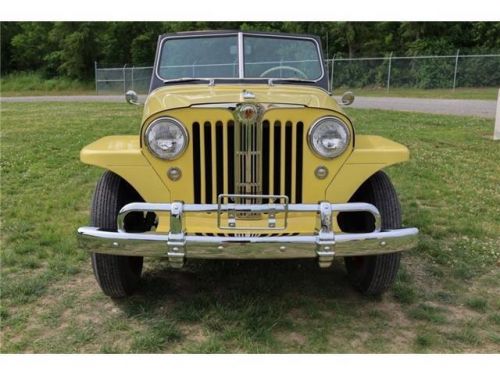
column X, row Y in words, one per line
column 331, row 80
column 496, row 133
column 95, row 77
column 327, row 45
column 389, row 73
column 132, row 78
column 124, row 79
column 456, row 68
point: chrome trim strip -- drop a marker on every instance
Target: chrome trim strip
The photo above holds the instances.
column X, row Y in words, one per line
column 151, row 244
column 254, row 208
column 233, row 105
column 241, row 56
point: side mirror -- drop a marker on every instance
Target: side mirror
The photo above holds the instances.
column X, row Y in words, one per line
column 347, row 98
column 132, row 98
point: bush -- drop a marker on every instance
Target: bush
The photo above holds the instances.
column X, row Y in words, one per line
column 29, row 81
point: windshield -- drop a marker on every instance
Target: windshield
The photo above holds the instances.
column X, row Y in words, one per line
column 268, row 57
column 199, row 57
column 219, row 56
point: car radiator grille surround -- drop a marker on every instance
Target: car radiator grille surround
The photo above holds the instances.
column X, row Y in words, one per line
column 259, row 158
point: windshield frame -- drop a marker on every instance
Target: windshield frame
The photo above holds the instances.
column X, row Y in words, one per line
column 241, row 58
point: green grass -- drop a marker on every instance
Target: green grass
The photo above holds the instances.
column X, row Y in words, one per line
column 484, row 93
column 33, row 84
column 478, row 304
column 427, row 341
column 445, row 298
column 428, row 313
column 404, row 290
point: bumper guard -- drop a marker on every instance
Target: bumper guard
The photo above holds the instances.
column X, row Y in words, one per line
column 177, row 245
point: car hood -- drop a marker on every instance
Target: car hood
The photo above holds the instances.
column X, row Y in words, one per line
column 181, row 96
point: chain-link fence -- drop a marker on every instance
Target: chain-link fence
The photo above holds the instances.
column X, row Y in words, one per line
column 424, row 72
column 119, row 80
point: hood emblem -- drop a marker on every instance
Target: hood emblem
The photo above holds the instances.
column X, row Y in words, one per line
column 247, row 95
column 247, row 113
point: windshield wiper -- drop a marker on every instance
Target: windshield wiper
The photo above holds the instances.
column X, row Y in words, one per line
column 271, row 81
column 210, row 81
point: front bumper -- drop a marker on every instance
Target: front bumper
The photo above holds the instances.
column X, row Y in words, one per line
column 177, row 245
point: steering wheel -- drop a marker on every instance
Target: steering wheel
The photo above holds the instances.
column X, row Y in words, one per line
column 284, row 67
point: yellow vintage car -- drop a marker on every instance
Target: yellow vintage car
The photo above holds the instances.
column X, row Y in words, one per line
column 243, row 154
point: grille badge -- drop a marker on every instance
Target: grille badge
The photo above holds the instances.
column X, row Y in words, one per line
column 248, row 113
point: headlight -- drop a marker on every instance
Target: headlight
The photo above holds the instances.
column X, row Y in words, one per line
column 166, row 138
column 329, row 137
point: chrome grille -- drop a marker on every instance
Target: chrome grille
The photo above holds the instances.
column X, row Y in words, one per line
column 248, row 160
column 261, row 158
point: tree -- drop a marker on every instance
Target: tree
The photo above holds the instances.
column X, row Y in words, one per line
column 70, row 48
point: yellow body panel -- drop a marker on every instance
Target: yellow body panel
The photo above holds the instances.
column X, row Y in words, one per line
column 183, row 96
column 122, row 155
column 371, row 154
column 126, row 156
column 183, row 188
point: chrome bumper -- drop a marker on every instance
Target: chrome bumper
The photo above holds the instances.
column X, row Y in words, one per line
column 177, row 245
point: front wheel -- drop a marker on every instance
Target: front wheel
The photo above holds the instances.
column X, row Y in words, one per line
column 373, row 274
column 117, row 275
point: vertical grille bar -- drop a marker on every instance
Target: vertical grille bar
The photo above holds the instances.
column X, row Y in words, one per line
column 299, row 161
column 196, row 163
column 225, row 148
column 288, row 160
column 215, row 170
column 202, row 165
column 231, row 158
column 271, row 158
column 220, row 151
column 253, row 157
column 293, row 163
column 277, row 158
column 283, row 160
column 208, row 162
column 266, row 171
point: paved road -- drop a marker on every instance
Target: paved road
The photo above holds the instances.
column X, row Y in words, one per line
column 460, row 107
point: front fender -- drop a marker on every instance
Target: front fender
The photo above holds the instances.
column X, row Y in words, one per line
column 122, row 155
column 371, row 154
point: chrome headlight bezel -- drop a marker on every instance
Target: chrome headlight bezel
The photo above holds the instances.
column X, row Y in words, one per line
column 315, row 128
column 165, row 121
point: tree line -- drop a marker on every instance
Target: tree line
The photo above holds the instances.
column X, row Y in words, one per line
column 70, row 48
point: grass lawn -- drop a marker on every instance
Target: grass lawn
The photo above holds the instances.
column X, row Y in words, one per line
column 446, row 299
column 486, row 93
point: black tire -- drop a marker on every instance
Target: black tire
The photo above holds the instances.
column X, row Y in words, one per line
column 118, row 276
column 374, row 274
